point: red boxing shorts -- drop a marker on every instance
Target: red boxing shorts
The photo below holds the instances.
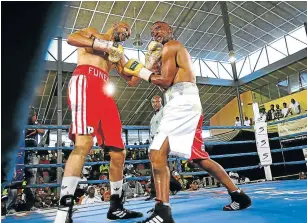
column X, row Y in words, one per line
column 93, row 111
column 198, row 148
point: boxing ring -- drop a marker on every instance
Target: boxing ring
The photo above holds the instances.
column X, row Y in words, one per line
column 273, row 201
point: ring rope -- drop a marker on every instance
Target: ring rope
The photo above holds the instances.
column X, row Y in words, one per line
column 136, row 127
column 170, row 159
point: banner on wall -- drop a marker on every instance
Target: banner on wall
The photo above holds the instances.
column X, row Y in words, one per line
column 292, row 127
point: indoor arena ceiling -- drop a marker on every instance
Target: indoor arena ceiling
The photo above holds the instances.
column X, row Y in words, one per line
column 198, row 25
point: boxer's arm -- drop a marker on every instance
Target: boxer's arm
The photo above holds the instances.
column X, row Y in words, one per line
column 131, row 80
column 83, row 38
column 168, row 69
column 91, row 38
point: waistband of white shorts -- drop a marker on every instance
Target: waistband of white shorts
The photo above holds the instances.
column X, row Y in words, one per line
column 182, row 88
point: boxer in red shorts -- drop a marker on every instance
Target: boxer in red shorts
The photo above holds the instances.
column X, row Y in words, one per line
column 94, row 113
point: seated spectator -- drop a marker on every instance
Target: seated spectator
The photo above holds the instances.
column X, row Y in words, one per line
column 106, row 196
column 101, row 193
column 45, row 171
column 271, row 113
column 234, row 177
column 285, row 110
column 91, row 198
column 278, row 112
column 129, row 168
column 247, row 122
column 295, row 107
column 237, row 122
column 94, row 175
column 86, row 170
column 133, row 189
column 302, row 175
column 48, row 202
column 84, row 185
column 194, row 186
column 104, row 169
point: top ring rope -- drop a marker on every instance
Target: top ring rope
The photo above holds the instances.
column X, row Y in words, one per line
column 135, row 127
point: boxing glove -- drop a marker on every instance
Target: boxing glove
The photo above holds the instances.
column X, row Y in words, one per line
column 135, row 68
column 115, row 50
column 153, row 55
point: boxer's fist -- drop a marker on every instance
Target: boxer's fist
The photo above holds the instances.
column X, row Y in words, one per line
column 153, row 55
column 135, row 68
column 116, row 52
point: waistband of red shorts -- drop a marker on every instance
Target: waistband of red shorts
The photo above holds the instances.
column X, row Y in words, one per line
column 91, row 71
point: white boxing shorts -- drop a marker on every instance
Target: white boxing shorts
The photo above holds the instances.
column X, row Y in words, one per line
column 181, row 116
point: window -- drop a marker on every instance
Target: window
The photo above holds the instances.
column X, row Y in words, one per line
column 53, row 49
column 196, row 68
column 294, row 83
column 294, row 45
column 303, row 78
column 283, row 87
column 223, row 71
column 144, row 135
column 206, row 72
column 133, row 137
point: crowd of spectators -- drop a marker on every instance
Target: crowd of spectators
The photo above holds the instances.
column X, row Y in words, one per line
column 274, row 113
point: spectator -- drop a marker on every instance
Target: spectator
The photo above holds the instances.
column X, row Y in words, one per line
column 263, row 115
column 45, row 171
column 47, row 203
column 94, row 175
column 84, row 185
column 101, row 192
column 247, row 122
column 271, row 113
column 234, row 177
column 86, row 169
column 302, row 175
column 285, row 110
column 237, row 122
column 106, row 196
column 193, row 186
column 91, row 198
column 278, row 112
column 133, row 189
column 295, row 107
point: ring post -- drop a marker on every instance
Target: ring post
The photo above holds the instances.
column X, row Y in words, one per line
column 59, row 112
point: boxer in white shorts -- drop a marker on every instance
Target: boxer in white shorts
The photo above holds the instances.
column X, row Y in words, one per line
column 181, row 121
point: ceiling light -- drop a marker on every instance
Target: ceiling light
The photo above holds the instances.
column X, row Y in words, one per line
column 232, row 57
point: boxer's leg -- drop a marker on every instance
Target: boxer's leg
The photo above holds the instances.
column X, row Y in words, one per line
column 218, row 172
column 111, row 130
column 84, row 123
column 73, row 169
column 161, row 171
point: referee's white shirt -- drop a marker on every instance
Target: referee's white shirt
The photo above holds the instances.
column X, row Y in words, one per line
column 155, row 122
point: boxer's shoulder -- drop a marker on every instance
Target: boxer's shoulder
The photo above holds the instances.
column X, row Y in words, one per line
column 172, row 45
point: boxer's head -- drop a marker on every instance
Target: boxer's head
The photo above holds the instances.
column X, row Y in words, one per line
column 161, row 32
column 156, row 102
column 121, row 31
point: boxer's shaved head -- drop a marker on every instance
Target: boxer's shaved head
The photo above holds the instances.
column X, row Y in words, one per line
column 121, row 31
